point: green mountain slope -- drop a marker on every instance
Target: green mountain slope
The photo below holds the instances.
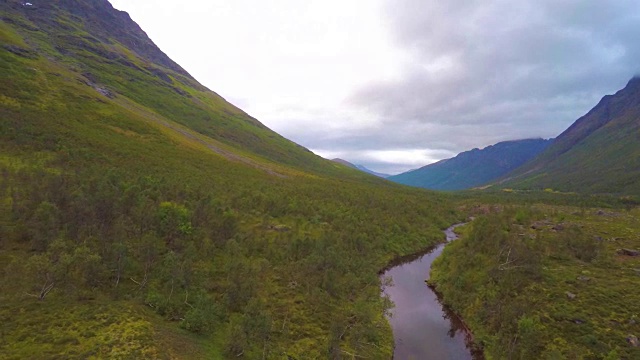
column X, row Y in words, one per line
column 475, row 167
column 599, row 153
column 105, row 50
column 142, row 216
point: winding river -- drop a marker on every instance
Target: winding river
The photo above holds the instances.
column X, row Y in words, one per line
column 423, row 328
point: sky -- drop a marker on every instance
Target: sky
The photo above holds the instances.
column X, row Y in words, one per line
column 397, row 84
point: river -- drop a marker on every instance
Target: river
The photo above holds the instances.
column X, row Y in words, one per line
column 423, row 328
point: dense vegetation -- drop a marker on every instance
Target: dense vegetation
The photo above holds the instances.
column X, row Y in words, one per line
column 142, row 216
column 543, row 282
column 599, row 153
column 475, row 167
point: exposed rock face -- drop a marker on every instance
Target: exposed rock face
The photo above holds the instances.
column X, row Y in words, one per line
column 628, row 252
column 26, row 53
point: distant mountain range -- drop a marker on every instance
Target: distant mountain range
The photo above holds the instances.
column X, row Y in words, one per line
column 360, row 167
column 599, row 153
column 474, row 168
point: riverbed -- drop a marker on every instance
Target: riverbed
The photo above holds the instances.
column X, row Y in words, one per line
column 423, row 328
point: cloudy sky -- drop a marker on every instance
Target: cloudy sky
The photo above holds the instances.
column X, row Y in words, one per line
column 398, row 84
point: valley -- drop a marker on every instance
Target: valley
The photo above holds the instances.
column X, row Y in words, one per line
column 143, row 216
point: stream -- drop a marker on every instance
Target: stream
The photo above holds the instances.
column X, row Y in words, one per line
column 423, row 328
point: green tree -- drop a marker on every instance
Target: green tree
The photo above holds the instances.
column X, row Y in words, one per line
column 173, row 222
column 236, row 343
column 43, row 225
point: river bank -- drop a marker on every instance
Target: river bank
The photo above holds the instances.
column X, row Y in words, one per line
column 423, row 328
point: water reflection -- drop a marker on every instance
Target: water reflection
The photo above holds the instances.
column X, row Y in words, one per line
column 423, row 328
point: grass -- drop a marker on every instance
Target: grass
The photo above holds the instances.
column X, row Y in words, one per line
column 96, row 329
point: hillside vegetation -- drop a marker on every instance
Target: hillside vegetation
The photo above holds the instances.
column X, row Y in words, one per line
column 142, row 216
column 599, row 153
column 543, row 282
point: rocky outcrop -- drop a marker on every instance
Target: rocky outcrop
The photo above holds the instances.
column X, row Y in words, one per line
column 628, row 252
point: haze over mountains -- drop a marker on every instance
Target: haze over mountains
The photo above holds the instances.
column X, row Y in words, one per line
column 475, row 167
column 360, row 167
column 599, row 153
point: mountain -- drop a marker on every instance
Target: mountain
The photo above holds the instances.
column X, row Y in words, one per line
column 360, row 167
column 599, row 153
column 475, row 167
column 103, row 49
column 143, row 216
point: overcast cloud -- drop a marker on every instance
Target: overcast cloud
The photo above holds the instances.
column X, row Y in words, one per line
column 397, row 84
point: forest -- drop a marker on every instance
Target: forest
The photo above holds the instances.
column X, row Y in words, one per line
column 546, row 281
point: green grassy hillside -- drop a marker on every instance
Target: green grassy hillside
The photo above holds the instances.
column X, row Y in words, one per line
column 86, row 42
column 142, row 216
column 475, row 167
column 599, row 153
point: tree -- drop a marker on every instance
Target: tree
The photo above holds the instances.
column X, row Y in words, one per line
column 42, row 271
column 236, row 343
column 202, row 316
column 88, row 270
column 147, row 250
column 173, row 222
column 43, row 225
column 48, row 270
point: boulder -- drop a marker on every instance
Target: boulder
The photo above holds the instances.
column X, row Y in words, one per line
column 280, row 228
column 628, row 252
column 571, row 295
column 540, row 224
column 633, row 341
column 106, row 92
